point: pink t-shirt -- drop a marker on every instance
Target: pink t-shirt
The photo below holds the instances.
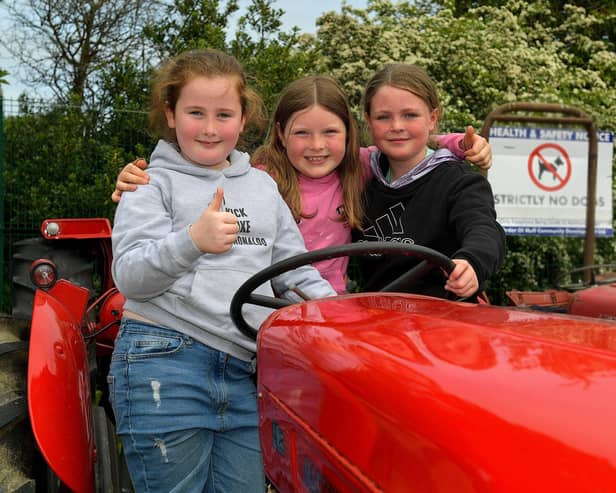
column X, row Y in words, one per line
column 322, row 200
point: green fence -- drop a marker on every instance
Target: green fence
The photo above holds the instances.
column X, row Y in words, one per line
column 59, row 161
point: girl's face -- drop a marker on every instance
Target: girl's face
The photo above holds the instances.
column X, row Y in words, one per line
column 400, row 124
column 208, row 120
column 315, row 141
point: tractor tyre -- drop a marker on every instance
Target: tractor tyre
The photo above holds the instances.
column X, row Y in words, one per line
column 107, row 454
column 22, row 467
column 73, row 258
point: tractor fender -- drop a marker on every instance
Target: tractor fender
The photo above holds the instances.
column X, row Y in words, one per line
column 596, row 301
column 398, row 392
column 59, row 395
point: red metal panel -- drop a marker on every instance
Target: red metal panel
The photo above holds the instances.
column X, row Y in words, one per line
column 426, row 395
column 298, row 458
column 76, row 228
column 110, row 314
column 597, row 301
column 552, row 297
column 59, row 396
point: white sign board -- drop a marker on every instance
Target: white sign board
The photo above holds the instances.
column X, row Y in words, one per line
column 539, row 179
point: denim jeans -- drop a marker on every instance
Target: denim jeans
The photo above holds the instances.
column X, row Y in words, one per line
column 186, row 413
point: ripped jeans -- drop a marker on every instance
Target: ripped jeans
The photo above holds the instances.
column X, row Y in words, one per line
column 186, row 413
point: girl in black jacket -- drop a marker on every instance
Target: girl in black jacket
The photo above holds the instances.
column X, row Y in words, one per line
column 421, row 197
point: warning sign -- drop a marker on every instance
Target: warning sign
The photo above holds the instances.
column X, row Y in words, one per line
column 539, row 179
column 549, row 167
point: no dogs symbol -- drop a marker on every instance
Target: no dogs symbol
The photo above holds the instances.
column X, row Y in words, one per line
column 549, row 167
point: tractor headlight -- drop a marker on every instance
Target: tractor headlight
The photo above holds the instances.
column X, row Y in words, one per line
column 43, row 273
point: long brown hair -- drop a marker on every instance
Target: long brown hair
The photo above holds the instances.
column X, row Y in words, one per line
column 176, row 72
column 300, row 95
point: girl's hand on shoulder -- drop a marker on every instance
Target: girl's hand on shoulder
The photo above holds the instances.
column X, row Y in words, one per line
column 463, row 280
column 215, row 231
column 477, row 149
column 130, row 176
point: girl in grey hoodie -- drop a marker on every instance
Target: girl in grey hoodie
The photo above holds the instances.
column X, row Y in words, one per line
column 180, row 379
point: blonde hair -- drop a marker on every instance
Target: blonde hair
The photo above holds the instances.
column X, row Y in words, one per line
column 300, row 95
column 176, row 72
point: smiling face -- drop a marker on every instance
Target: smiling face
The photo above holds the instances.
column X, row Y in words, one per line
column 208, row 120
column 314, row 140
column 400, row 124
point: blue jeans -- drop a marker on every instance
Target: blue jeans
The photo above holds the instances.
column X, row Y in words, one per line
column 186, row 413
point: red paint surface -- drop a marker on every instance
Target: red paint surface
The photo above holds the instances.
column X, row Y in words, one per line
column 407, row 393
column 59, row 397
column 78, row 228
column 110, row 314
column 597, row 301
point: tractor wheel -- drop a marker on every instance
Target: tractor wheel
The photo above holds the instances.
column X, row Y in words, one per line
column 74, row 260
column 20, row 462
column 111, row 470
column 107, row 455
column 22, row 468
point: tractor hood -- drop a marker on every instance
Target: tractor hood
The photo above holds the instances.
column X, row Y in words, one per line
column 409, row 393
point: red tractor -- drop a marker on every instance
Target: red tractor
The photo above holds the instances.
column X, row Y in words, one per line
column 65, row 317
column 372, row 392
column 575, row 295
column 389, row 392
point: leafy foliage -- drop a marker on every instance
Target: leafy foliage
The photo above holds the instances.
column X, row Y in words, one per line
column 272, row 58
column 57, row 166
column 490, row 56
column 190, row 24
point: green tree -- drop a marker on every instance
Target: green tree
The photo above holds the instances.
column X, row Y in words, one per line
column 63, row 46
column 488, row 57
column 482, row 57
column 603, row 10
column 122, row 108
column 56, row 166
column 271, row 57
column 189, row 24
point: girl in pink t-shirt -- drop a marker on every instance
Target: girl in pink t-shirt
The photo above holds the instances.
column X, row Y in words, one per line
column 312, row 151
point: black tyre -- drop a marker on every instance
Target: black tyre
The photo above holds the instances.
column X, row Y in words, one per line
column 107, row 455
column 74, row 260
column 22, row 468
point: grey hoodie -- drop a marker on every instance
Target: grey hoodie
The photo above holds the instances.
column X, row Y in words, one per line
column 165, row 277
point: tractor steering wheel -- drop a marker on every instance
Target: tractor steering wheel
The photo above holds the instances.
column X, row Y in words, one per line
column 429, row 260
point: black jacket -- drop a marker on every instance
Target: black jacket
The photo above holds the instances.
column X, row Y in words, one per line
column 451, row 210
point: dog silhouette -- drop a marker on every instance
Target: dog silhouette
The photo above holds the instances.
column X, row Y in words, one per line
column 543, row 167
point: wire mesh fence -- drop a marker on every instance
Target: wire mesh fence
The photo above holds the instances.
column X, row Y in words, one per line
column 59, row 161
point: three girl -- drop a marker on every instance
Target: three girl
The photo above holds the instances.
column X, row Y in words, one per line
column 181, row 374
column 312, row 152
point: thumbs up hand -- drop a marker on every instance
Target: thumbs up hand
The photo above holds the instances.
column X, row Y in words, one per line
column 477, row 149
column 215, row 231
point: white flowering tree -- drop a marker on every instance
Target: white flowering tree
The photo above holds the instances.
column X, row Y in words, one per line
column 482, row 58
column 487, row 57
